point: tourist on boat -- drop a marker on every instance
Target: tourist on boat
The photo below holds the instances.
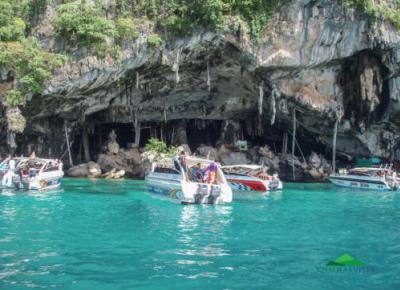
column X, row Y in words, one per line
column 24, row 172
column 210, row 173
column 32, row 171
column 197, row 174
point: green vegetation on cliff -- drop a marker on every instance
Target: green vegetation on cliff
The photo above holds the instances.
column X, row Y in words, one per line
column 28, row 65
column 81, row 23
column 182, row 16
column 102, row 30
column 374, row 11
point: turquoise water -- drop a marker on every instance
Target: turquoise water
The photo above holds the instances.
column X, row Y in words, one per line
column 114, row 235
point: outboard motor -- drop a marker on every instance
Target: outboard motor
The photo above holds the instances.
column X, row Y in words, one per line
column 207, row 193
column 215, row 192
column 202, row 193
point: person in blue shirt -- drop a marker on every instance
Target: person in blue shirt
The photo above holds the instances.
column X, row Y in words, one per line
column 197, row 174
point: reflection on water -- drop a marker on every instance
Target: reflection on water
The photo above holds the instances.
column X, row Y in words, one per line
column 195, row 223
column 201, row 238
column 7, row 192
column 276, row 195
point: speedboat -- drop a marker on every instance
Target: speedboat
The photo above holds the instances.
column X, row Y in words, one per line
column 185, row 183
column 250, row 178
column 367, row 178
column 31, row 173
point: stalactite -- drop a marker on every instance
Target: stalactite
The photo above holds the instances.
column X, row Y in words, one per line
column 68, row 144
column 165, row 114
column 176, row 65
column 335, row 128
column 339, row 115
column 137, row 127
column 260, row 99
column 208, row 77
column 284, row 143
column 161, row 133
column 137, row 80
column 274, row 95
column 86, row 144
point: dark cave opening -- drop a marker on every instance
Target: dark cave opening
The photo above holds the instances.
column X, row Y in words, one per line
column 98, row 137
column 364, row 80
column 273, row 136
column 198, row 132
column 204, row 132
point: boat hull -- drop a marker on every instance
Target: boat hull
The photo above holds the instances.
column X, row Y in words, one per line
column 173, row 187
column 248, row 184
column 41, row 182
column 356, row 182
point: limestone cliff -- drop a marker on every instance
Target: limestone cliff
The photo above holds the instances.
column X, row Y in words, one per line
column 320, row 58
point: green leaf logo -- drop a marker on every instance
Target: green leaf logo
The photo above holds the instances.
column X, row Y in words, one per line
column 346, row 260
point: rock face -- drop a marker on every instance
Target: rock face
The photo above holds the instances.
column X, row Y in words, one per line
column 127, row 160
column 207, row 151
column 90, row 169
column 319, row 58
column 112, row 146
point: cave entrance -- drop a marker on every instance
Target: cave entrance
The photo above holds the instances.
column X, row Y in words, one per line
column 274, row 137
column 125, row 133
column 98, row 138
column 205, row 132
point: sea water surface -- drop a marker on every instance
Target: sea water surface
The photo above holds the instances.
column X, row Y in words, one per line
column 98, row 234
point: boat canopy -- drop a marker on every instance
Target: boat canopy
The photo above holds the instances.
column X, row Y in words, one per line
column 190, row 161
column 371, row 171
column 249, row 170
column 37, row 163
column 244, row 166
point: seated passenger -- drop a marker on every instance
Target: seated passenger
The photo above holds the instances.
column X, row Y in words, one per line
column 32, row 172
column 210, row 173
column 24, row 172
column 197, row 174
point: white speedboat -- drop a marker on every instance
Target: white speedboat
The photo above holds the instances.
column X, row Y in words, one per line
column 250, row 178
column 31, row 173
column 367, row 178
column 185, row 183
